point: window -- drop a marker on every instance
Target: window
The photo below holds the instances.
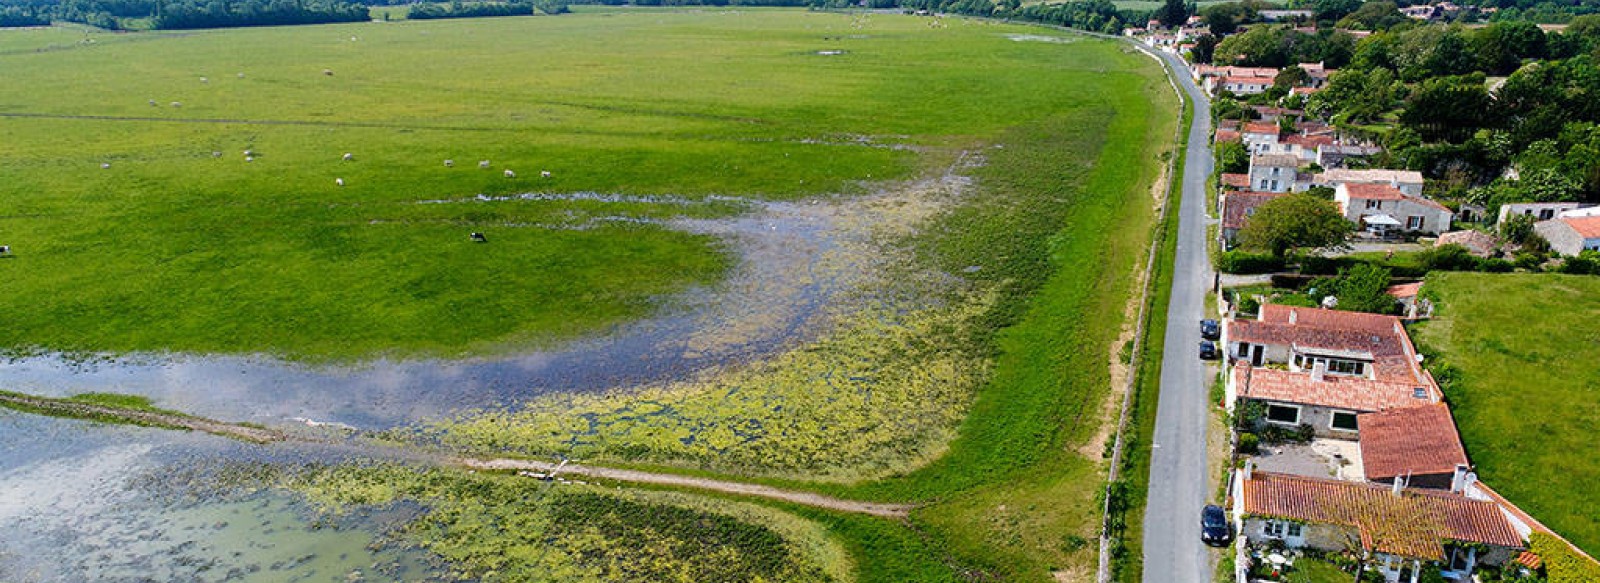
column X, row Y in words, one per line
column 1344, row 421
column 1250, row 212
column 1282, row 528
column 1275, row 171
column 1374, row 204
column 1413, row 223
column 1263, row 184
column 1335, row 366
column 1546, row 214
column 1274, row 185
column 1285, row 414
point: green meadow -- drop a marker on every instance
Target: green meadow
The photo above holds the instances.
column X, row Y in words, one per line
column 1516, row 354
column 173, row 248
column 985, row 405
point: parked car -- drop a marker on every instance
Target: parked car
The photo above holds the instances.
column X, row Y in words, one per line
column 1210, row 330
column 1208, row 350
column 1214, row 527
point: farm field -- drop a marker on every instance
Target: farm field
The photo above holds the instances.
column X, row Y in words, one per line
column 1009, row 187
column 1519, row 374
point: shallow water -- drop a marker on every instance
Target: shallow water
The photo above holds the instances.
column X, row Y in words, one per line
column 792, row 265
column 85, row 502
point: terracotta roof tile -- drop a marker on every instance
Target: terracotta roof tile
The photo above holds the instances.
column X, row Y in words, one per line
column 1587, row 227
column 1236, row 180
column 1410, row 441
column 1224, row 135
column 1414, row 524
column 1309, row 141
column 1372, row 191
column 1345, row 175
column 1261, row 128
column 1236, row 206
column 1314, row 329
column 1334, row 391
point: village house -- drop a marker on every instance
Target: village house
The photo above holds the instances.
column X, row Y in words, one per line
column 1571, row 235
column 1407, row 181
column 1417, row 445
column 1323, row 368
column 1398, row 528
column 1383, row 210
column 1542, row 211
column 1274, row 172
column 1261, row 138
column 1339, row 155
column 1237, row 208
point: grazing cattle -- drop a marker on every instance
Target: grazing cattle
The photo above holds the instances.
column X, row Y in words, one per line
column 177, row 104
column 449, row 163
column 339, row 181
column 328, row 72
column 249, row 152
column 544, row 174
column 241, row 75
column 484, row 164
column 204, row 80
column 105, row 165
column 153, row 103
column 249, row 158
column 348, row 156
column 216, row 154
column 478, row 237
column 5, row 249
column 510, row 174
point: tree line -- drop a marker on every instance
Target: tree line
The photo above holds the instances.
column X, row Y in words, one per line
column 191, row 14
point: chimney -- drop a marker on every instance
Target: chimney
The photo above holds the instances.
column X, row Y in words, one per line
column 1399, row 485
column 1292, row 316
column 1462, row 480
column 1244, row 472
column 1319, row 370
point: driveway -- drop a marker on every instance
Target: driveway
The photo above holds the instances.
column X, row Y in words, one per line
column 1173, row 552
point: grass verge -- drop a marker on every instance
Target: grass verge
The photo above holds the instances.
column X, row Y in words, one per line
column 1516, row 354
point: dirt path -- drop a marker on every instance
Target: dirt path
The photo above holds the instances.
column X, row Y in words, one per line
column 728, row 487
column 94, row 412
column 107, row 414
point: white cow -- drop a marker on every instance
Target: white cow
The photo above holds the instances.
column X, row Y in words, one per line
column 484, row 164
column 339, row 181
column 348, row 156
column 510, row 174
column 544, row 174
column 449, row 163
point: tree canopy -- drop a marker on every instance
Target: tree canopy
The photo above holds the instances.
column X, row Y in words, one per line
column 1293, row 223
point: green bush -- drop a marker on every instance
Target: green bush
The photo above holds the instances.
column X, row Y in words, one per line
column 1447, row 258
column 1304, row 433
column 1586, row 263
column 1243, row 262
column 1318, row 265
column 1249, row 305
column 1529, row 261
column 1249, row 443
column 1560, row 563
column 1495, row 266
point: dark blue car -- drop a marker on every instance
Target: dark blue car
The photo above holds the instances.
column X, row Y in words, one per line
column 1214, row 527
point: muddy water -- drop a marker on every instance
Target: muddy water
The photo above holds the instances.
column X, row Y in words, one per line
column 795, row 260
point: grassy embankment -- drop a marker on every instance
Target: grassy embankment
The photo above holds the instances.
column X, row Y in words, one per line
column 1516, row 354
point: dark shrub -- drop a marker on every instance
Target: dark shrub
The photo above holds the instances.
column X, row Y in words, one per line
column 1242, row 262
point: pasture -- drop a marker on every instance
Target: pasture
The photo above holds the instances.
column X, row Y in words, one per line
column 139, row 223
column 1516, row 354
column 985, row 404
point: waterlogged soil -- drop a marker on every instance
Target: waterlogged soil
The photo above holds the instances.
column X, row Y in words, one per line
column 799, row 263
column 82, row 502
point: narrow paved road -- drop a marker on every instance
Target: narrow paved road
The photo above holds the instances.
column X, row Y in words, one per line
column 1173, row 552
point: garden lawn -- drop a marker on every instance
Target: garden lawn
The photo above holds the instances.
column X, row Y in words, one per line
column 173, row 248
column 1517, row 354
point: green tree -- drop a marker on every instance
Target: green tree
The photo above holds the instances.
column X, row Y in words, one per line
column 1205, row 47
column 1296, row 222
column 1362, row 289
column 1291, row 77
column 1373, row 16
column 1173, row 13
column 1333, row 10
column 1232, row 158
column 1448, row 108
